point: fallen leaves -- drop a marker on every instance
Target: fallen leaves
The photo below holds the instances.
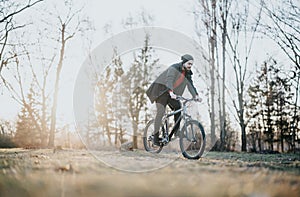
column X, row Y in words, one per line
column 65, row 168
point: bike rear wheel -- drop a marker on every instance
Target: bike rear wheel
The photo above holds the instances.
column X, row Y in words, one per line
column 148, row 138
column 192, row 140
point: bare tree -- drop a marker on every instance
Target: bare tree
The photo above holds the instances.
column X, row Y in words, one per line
column 142, row 18
column 214, row 16
column 69, row 25
column 224, row 7
column 17, row 89
column 210, row 23
column 41, row 88
column 284, row 29
column 8, row 10
column 241, row 25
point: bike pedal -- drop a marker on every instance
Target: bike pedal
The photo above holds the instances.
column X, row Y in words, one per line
column 164, row 141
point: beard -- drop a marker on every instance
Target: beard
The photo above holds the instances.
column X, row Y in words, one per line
column 186, row 68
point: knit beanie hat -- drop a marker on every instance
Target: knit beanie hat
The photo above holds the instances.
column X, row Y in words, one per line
column 186, row 58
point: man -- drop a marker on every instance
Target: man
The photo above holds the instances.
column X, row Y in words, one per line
column 164, row 90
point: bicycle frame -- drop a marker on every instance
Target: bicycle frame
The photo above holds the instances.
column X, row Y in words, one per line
column 184, row 116
column 191, row 136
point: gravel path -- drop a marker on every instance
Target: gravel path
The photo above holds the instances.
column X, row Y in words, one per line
column 137, row 173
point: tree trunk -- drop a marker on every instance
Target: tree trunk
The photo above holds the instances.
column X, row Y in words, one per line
column 44, row 121
column 295, row 119
column 108, row 133
column 259, row 141
column 212, row 73
column 242, row 120
column 223, row 116
column 253, row 139
column 134, row 137
column 56, row 87
column 244, row 140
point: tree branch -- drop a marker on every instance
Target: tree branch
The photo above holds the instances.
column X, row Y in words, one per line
column 20, row 10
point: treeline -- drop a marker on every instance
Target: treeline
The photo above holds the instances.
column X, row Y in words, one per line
column 267, row 112
column 273, row 115
column 121, row 105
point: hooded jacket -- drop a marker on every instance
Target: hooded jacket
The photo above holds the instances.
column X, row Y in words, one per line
column 166, row 80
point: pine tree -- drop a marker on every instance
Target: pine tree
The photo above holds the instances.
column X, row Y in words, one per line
column 118, row 99
column 109, row 100
column 138, row 81
column 269, row 107
column 103, row 105
column 27, row 135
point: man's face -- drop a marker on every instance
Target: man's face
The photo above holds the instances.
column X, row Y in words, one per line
column 188, row 65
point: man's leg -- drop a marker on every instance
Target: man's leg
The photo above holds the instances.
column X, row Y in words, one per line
column 161, row 103
column 175, row 105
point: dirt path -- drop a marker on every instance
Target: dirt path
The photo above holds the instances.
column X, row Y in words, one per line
column 82, row 173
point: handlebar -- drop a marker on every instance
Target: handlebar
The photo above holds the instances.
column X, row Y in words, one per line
column 181, row 98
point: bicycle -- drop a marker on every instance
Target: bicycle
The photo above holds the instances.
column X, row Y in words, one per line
column 191, row 135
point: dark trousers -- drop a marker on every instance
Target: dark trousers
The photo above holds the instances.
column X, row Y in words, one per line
column 161, row 103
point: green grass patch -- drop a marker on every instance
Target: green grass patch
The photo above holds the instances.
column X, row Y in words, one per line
column 280, row 162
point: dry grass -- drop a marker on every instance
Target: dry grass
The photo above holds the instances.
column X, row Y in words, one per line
column 78, row 173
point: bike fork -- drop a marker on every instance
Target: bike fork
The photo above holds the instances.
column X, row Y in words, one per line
column 165, row 134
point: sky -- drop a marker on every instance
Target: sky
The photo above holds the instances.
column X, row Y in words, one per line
column 172, row 14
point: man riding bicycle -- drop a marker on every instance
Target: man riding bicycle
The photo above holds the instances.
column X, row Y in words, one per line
column 164, row 90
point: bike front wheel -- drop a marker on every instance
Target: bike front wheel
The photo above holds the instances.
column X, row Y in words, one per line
column 148, row 138
column 192, row 140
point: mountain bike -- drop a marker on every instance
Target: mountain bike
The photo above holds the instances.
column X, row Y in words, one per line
column 191, row 134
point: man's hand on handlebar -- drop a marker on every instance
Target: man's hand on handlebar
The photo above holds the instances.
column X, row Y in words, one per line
column 197, row 98
column 177, row 97
column 172, row 95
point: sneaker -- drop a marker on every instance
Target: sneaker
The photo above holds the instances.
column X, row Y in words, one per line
column 156, row 140
column 157, row 143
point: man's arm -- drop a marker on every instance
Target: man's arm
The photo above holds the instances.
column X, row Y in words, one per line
column 191, row 87
column 171, row 74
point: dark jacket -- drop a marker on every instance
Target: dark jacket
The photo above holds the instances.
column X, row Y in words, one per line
column 166, row 80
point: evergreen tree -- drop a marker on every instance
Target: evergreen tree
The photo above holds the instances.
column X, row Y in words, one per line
column 120, row 111
column 103, row 104
column 269, row 108
column 27, row 134
column 139, row 78
column 109, row 100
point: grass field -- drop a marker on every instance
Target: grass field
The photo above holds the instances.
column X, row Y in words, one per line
column 47, row 172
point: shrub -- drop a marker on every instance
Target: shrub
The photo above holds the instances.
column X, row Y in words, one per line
column 6, row 142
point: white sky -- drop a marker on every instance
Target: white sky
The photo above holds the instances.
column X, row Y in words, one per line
column 167, row 13
column 172, row 14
